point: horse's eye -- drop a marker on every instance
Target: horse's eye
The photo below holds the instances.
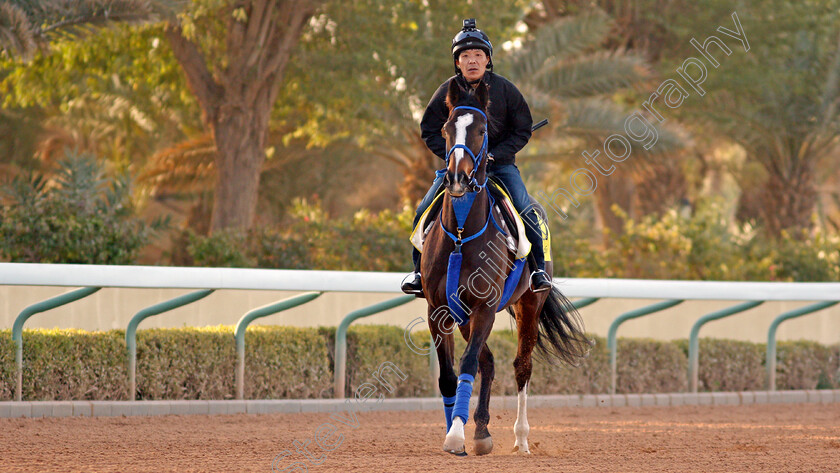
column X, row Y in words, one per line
column 483, row 132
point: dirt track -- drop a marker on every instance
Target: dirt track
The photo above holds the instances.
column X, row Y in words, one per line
column 768, row 438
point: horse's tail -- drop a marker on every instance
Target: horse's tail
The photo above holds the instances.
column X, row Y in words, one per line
column 561, row 332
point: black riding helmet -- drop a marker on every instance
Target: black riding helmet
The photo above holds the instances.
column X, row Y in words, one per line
column 471, row 38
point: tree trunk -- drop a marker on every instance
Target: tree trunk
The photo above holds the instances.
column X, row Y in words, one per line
column 236, row 99
column 420, row 172
column 616, row 189
column 660, row 185
column 789, row 201
column 240, row 139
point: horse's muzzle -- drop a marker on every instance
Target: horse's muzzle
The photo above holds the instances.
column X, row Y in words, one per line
column 457, row 184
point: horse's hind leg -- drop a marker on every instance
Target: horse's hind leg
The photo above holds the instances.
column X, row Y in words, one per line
column 527, row 322
column 483, row 441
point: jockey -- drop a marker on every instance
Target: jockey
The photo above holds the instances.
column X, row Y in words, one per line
column 509, row 128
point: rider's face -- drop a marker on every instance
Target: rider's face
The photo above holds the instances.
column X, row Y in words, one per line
column 473, row 63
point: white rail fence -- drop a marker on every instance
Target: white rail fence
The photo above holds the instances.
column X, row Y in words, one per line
column 668, row 293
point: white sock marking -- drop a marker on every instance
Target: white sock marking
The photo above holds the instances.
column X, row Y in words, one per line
column 521, row 427
column 454, row 441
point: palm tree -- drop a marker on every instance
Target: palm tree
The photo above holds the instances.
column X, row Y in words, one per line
column 787, row 124
column 564, row 71
column 27, row 26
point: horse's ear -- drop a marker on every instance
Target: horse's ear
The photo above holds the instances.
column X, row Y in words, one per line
column 453, row 95
column 482, row 94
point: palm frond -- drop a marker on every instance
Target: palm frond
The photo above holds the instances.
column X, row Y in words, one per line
column 25, row 24
column 559, row 40
column 595, row 74
column 593, row 120
column 187, row 167
column 75, row 19
column 17, row 36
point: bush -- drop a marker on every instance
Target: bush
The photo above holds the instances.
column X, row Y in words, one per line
column 729, row 365
column 285, row 362
column 702, row 247
column 198, row 363
column 83, row 216
column 67, row 364
column 806, row 365
column 368, row 347
column 365, row 242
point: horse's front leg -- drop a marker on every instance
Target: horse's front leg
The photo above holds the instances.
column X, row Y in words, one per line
column 441, row 327
column 483, row 442
column 480, row 326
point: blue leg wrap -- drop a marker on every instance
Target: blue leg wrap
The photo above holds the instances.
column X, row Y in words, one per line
column 462, row 397
column 448, row 405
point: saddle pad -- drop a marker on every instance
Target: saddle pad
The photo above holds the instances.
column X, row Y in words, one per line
column 420, row 231
column 523, row 246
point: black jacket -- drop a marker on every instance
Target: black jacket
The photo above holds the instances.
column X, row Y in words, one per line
column 509, row 115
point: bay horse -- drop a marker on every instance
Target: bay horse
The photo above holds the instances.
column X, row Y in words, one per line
column 477, row 289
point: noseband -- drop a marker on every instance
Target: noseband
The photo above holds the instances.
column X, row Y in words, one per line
column 474, row 185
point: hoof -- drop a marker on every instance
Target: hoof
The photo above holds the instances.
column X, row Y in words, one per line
column 455, row 449
column 521, row 452
column 483, row 446
column 454, row 445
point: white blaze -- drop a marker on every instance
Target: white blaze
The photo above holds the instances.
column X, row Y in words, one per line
column 461, row 125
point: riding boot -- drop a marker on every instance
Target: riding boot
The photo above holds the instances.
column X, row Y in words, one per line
column 413, row 284
column 540, row 280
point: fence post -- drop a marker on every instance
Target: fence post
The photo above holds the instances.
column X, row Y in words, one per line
column 771, row 336
column 250, row 316
column 341, row 337
column 17, row 328
column 611, row 334
column 131, row 331
column 694, row 342
column 581, row 303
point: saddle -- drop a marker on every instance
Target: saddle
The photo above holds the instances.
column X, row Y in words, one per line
column 510, row 221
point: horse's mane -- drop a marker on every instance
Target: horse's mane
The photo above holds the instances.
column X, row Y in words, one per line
column 467, row 97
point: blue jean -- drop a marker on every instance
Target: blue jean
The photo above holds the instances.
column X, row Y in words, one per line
column 510, row 177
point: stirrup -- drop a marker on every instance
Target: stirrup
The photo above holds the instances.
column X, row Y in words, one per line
column 412, row 284
column 543, row 281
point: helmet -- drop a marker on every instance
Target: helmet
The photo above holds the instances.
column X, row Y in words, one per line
column 471, row 38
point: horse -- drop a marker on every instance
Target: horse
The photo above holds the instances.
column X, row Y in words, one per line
column 476, row 292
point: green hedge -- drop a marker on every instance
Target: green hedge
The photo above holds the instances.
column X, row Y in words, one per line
column 286, row 362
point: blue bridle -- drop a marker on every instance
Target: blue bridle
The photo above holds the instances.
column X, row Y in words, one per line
column 462, row 205
column 481, row 152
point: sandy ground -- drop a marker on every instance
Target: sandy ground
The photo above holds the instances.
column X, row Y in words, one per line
column 764, row 438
